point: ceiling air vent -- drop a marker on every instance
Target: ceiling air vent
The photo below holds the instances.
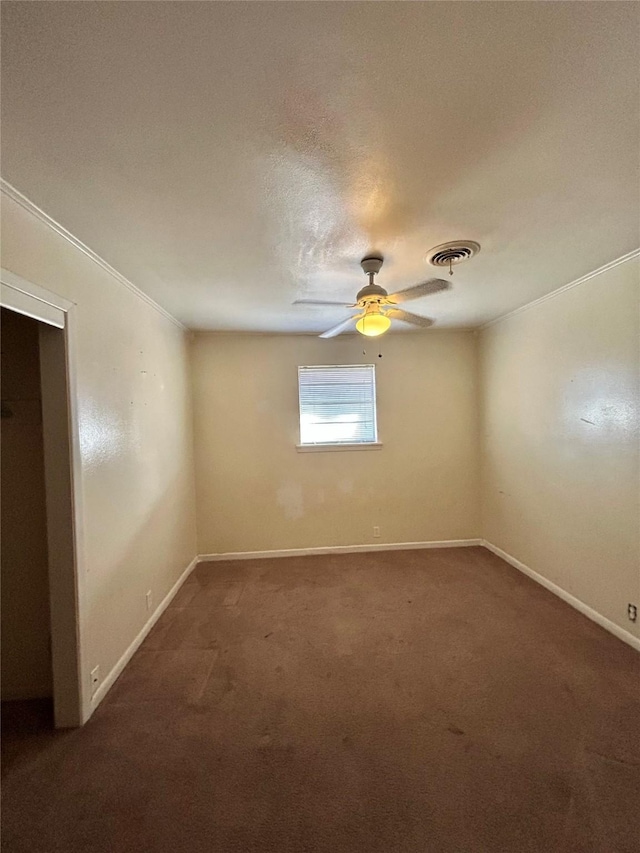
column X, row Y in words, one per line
column 455, row 252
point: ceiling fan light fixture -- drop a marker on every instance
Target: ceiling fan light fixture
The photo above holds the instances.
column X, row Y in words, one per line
column 379, row 307
column 373, row 324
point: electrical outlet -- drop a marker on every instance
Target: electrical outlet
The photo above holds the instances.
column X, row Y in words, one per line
column 376, row 531
column 95, row 679
column 149, row 598
column 632, row 612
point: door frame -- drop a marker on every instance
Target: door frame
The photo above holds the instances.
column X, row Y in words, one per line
column 63, row 486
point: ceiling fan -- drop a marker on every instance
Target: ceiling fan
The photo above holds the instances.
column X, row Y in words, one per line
column 377, row 307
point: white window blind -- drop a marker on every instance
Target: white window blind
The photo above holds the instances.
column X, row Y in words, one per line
column 337, row 404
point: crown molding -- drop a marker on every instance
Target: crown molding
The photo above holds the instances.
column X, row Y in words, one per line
column 11, row 192
column 15, row 195
column 635, row 253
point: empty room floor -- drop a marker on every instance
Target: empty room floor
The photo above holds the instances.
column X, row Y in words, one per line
column 397, row 701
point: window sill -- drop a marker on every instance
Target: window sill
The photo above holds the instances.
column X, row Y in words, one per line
column 328, row 448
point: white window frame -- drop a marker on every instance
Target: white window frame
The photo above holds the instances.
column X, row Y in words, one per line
column 341, row 445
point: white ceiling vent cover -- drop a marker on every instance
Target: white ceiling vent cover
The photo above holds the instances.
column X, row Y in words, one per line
column 455, row 252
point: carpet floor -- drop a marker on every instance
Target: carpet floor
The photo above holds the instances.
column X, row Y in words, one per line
column 396, row 702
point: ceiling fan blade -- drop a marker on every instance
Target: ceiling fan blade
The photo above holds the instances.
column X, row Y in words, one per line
column 425, row 288
column 320, row 302
column 341, row 327
column 408, row 317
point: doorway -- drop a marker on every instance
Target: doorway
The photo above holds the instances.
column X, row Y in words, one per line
column 27, row 674
column 41, row 581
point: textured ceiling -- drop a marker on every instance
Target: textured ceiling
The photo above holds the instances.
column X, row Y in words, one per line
column 229, row 158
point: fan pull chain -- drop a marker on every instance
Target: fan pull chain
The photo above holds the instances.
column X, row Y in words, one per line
column 450, row 266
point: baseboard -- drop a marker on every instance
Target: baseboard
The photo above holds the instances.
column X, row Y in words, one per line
column 107, row 683
column 337, row 549
column 583, row 608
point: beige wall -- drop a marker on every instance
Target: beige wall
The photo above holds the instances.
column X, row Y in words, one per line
column 256, row 492
column 26, row 658
column 560, row 440
column 135, row 433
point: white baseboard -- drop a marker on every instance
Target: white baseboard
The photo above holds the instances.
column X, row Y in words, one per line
column 587, row 611
column 337, row 549
column 105, row 686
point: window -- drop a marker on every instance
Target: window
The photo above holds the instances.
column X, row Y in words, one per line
column 337, row 405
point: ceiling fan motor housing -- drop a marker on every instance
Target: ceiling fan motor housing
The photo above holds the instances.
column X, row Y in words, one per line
column 371, row 293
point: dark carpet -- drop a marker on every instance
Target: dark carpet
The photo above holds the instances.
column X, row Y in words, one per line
column 402, row 701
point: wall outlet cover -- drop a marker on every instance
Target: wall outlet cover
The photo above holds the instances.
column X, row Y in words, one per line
column 95, row 679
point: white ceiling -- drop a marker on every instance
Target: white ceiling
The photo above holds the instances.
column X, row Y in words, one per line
column 229, row 158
